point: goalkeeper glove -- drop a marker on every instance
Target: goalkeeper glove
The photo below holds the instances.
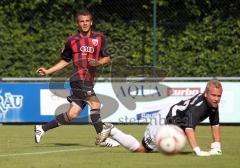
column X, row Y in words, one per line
column 215, row 149
column 198, row 152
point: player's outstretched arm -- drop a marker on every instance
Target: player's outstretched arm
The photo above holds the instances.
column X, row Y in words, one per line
column 60, row 65
column 216, row 144
column 193, row 142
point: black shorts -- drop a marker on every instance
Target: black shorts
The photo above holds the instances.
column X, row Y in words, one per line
column 80, row 91
column 145, row 145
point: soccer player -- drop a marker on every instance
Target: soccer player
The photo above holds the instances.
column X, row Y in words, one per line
column 87, row 50
column 186, row 114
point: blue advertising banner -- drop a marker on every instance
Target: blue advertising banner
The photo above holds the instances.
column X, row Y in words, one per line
column 25, row 102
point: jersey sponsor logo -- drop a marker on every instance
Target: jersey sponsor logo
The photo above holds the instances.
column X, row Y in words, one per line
column 89, row 93
column 183, row 91
column 10, row 101
column 95, row 42
column 86, row 49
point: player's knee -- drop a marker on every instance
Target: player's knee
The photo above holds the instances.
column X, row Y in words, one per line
column 94, row 104
column 74, row 112
column 72, row 116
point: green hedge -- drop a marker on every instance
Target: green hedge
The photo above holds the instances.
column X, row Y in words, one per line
column 32, row 34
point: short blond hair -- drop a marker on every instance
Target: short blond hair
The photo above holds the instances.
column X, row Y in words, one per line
column 217, row 84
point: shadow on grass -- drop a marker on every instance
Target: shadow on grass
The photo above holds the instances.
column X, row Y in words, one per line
column 180, row 153
column 63, row 145
column 186, row 153
column 72, row 144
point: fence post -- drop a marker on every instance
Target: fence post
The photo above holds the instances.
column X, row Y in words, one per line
column 154, row 32
column 154, row 36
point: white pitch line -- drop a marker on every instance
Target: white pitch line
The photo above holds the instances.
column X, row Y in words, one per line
column 44, row 152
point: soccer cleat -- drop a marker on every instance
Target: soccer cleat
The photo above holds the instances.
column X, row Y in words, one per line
column 102, row 136
column 109, row 143
column 38, row 133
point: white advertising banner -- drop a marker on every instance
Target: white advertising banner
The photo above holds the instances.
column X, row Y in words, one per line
column 134, row 102
column 53, row 101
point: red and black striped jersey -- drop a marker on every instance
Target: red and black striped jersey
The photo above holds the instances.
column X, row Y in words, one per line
column 79, row 49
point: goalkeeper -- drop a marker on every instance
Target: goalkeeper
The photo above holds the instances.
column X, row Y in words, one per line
column 186, row 114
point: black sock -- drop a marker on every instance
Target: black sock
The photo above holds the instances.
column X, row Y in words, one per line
column 59, row 120
column 50, row 125
column 96, row 120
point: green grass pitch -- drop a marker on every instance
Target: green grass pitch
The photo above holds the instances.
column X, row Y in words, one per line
column 73, row 146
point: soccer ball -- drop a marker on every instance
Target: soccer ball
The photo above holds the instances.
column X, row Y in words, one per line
column 170, row 139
